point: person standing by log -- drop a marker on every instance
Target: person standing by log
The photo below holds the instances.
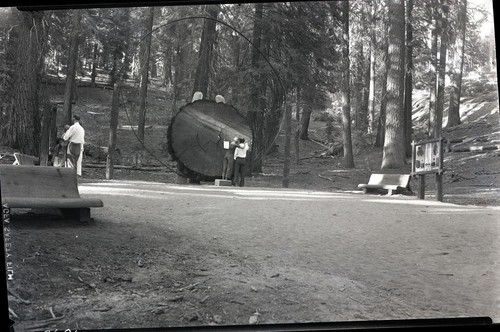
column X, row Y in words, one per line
column 240, row 154
column 228, row 162
column 75, row 135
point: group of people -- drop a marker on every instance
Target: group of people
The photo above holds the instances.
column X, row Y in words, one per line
column 234, row 162
column 68, row 150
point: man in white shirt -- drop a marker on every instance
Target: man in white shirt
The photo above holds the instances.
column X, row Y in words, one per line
column 240, row 154
column 75, row 135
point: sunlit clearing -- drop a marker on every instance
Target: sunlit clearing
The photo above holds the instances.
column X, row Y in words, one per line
column 263, row 195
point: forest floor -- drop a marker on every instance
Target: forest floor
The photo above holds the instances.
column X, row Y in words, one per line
column 102, row 274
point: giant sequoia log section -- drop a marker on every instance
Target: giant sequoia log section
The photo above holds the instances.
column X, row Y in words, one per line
column 196, row 136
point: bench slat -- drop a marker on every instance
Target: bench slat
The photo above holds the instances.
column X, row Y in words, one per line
column 21, row 202
column 38, row 181
column 385, row 186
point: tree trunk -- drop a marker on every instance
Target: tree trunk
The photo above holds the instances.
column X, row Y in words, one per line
column 304, row 123
column 154, row 68
column 345, row 89
column 408, row 112
column 442, row 68
column 208, row 37
column 457, row 67
column 167, row 65
column 145, row 53
column 114, row 70
column 394, row 150
column 379, row 141
column 371, row 88
column 365, row 89
column 45, row 135
column 71, row 67
column 127, row 50
column 94, row 66
column 113, row 124
column 31, row 39
column 297, row 104
column 53, row 126
column 257, row 93
column 288, row 139
column 180, row 59
column 433, row 72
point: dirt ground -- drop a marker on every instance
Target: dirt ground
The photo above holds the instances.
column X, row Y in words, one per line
column 153, row 258
column 168, row 255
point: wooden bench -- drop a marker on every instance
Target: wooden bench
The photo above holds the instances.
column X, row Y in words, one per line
column 390, row 182
column 24, row 159
column 45, row 187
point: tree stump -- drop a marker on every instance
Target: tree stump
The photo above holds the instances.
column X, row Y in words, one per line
column 196, row 136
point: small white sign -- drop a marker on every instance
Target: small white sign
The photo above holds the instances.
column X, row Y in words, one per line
column 226, row 145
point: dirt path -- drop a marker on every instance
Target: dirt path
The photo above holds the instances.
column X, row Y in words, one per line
column 166, row 255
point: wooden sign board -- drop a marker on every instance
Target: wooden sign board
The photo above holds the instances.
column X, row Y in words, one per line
column 427, row 157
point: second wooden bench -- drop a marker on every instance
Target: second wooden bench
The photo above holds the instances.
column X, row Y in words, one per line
column 390, row 182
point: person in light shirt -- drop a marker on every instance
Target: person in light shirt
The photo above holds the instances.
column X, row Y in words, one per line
column 75, row 135
column 240, row 154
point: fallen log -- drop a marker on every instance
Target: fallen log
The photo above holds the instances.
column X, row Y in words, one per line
column 196, row 136
column 476, row 148
column 134, row 168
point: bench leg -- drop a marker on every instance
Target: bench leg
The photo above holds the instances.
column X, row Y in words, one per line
column 79, row 214
column 389, row 192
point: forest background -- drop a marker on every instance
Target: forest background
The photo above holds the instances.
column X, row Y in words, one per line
column 359, row 67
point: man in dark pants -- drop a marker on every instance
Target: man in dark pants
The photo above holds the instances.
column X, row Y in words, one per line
column 228, row 162
column 240, row 154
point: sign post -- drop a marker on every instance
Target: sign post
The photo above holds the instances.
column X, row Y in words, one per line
column 427, row 158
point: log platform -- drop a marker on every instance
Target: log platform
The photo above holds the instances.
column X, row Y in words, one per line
column 220, row 182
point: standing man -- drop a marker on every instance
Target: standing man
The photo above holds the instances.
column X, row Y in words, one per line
column 75, row 135
column 228, row 162
column 240, row 154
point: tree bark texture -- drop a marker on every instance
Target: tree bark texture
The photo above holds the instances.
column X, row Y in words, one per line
column 25, row 116
column 113, row 124
column 45, row 135
column 304, row 123
column 433, row 72
column 441, row 68
column 379, row 140
column 288, row 139
column 371, row 88
column 345, row 89
column 408, row 111
column 71, row 66
column 167, row 65
column 394, row 150
column 196, row 135
column 93, row 74
column 457, row 67
column 208, row 37
column 258, row 92
column 145, row 50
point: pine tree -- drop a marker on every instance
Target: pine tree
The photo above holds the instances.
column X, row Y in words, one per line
column 394, row 150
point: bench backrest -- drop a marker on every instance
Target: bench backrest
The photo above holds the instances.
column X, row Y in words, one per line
column 38, row 182
column 401, row 180
column 24, row 159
